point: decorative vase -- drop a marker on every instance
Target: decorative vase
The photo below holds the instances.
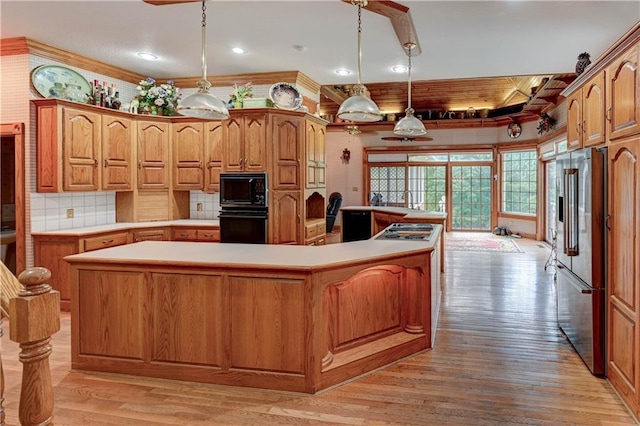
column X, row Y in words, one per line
column 237, row 104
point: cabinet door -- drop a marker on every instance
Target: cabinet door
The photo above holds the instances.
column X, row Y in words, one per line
column 117, row 148
column 213, row 142
column 286, row 138
column 593, row 111
column 255, row 143
column 320, row 155
column 81, row 150
column 623, row 288
column 623, row 95
column 150, row 235
column 187, row 140
column 49, row 252
column 153, row 155
column 285, row 218
column 311, row 154
column 233, row 145
column 574, row 121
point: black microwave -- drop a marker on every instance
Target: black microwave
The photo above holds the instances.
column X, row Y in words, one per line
column 243, row 189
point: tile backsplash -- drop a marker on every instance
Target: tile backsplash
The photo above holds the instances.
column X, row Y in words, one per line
column 49, row 212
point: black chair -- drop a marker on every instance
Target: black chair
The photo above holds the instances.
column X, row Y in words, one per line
column 333, row 206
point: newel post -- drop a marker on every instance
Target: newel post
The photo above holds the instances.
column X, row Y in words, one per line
column 34, row 316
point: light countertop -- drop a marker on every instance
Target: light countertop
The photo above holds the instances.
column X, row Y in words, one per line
column 259, row 256
column 125, row 226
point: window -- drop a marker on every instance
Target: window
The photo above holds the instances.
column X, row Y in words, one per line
column 387, row 186
column 519, row 182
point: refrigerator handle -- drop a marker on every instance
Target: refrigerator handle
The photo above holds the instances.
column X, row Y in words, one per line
column 571, row 217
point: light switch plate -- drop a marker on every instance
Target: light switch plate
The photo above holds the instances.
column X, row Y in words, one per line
column 69, row 213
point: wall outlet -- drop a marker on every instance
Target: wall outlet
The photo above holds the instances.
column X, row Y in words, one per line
column 199, row 207
column 354, row 189
column 69, row 213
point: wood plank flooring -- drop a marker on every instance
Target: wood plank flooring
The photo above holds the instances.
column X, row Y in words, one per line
column 499, row 359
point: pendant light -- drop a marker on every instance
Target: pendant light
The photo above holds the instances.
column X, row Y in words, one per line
column 359, row 107
column 203, row 104
column 409, row 125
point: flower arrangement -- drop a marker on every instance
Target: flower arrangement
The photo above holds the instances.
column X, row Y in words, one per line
column 546, row 123
column 157, row 99
column 241, row 92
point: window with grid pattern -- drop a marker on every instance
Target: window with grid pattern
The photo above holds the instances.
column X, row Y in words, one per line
column 387, row 186
column 519, row 174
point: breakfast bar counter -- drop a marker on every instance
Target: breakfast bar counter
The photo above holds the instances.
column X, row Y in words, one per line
column 296, row 318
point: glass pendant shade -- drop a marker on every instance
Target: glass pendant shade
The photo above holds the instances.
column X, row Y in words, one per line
column 409, row 125
column 203, row 104
column 359, row 107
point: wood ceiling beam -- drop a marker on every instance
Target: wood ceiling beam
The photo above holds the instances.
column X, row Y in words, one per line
column 337, row 96
column 401, row 20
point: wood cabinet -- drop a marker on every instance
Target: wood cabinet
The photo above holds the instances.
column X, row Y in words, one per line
column 286, row 136
column 315, row 232
column 48, row 252
column 79, row 148
column 286, row 227
column 623, row 95
column 113, row 239
column 623, row 292
column 154, row 234
column 315, row 154
column 187, row 140
column 153, row 154
column 245, row 142
column 585, row 114
column 196, row 234
column 213, row 145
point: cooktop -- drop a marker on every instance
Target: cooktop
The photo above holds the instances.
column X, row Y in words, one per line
column 407, row 231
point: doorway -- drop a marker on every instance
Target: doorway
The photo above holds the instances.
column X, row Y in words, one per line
column 471, row 197
column 13, row 196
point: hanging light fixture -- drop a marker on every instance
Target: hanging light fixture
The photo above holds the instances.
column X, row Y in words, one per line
column 203, row 104
column 359, row 107
column 409, row 125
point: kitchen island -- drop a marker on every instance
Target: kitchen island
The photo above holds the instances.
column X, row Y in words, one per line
column 296, row 318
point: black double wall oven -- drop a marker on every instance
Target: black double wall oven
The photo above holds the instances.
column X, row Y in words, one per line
column 243, row 208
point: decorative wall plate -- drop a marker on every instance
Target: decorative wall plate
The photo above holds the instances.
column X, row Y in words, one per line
column 53, row 81
column 514, row 130
column 285, row 96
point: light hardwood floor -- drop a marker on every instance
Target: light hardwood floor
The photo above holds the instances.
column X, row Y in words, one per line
column 499, row 359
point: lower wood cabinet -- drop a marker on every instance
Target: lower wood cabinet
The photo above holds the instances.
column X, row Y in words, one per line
column 50, row 250
column 623, row 285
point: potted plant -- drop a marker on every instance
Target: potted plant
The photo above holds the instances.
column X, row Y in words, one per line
column 241, row 92
column 157, row 99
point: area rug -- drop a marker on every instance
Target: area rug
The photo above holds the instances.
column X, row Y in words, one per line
column 482, row 242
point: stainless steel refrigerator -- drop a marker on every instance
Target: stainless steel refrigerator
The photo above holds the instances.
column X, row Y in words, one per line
column 581, row 183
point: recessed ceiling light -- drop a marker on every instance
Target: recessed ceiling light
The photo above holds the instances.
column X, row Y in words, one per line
column 342, row 71
column 147, row 56
column 238, row 50
column 399, row 68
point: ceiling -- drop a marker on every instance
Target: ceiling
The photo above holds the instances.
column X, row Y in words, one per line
column 459, row 40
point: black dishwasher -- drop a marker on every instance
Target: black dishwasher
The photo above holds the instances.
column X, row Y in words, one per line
column 356, row 225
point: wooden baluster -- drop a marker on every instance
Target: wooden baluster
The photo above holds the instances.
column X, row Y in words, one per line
column 1, row 380
column 34, row 317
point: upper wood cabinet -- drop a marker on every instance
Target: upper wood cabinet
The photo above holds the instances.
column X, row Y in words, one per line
column 187, row 140
column 213, row 145
column 79, row 149
column 153, row 154
column 623, row 95
column 315, row 154
column 118, row 135
column 585, row 114
column 245, row 142
column 287, row 136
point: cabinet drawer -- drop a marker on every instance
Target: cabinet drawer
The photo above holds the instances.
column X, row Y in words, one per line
column 105, row 241
column 208, row 235
column 185, row 234
column 150, row 235
column 311, row 230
